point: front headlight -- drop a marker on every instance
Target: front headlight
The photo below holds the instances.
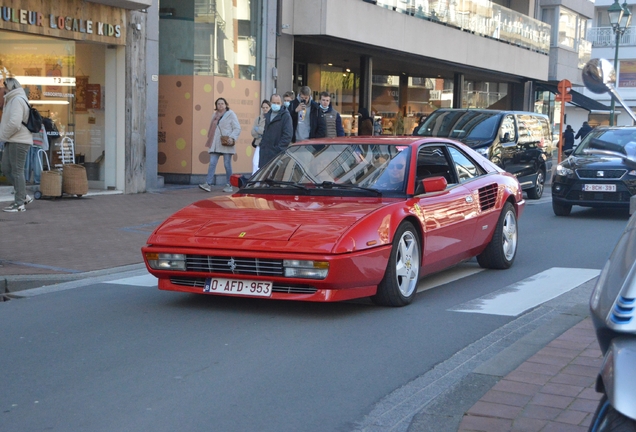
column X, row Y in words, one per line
column 563, row 171
column 165, row 261
column 306, row 269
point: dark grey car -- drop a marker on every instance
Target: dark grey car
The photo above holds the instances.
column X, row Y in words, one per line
column 517, row 141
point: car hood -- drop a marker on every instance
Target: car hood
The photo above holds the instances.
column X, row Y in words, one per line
column 303, row 224
column 594, row 162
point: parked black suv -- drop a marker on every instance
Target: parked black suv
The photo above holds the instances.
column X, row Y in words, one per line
column 519, row 142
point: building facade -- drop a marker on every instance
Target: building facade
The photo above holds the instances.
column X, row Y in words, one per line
column 82, row 65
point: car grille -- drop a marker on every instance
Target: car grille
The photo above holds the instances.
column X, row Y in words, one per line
column 598, row 196
column 234, row 265
column 487, row 197
column 607, row 174
column 623, row 311
column 277, row 287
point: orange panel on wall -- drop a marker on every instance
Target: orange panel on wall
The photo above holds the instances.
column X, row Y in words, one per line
column 187, row 103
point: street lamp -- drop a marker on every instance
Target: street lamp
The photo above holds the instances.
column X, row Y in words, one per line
column 620, row 17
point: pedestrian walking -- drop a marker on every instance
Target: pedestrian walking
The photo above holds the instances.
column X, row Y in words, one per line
column 257, row 133
column 17, row 141
column 278, row 131
column 584, row 130
column 331, row 122
column 222, row 135
column 568, row 138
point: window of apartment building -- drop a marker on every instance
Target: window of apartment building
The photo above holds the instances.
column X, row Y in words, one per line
column 568, row 28
column 215, row 37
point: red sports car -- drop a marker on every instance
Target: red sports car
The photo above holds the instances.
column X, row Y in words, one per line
column 343, row 218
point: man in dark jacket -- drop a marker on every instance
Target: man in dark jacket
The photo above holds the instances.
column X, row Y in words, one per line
column 278, row 131
column 585, row 129
column 330, row 120
column 304, row 115
column 568, row 138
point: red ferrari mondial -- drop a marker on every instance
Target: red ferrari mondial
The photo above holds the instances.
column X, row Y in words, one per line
column 343, row 218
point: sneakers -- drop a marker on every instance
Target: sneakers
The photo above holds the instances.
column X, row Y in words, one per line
column 14, row 208
column 228, row 188
column 205, row 187
column 28, row 200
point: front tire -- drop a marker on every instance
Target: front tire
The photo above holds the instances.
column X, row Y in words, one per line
column 539, row 185
column 399, row 285
column 561, row 209
column 607, row 419
column 502, row 249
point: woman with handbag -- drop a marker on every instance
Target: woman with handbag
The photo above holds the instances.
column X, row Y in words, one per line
column 222, row 135
column 257, row 132
column 17, row 141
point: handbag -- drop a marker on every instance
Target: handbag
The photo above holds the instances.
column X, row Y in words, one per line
column 227, row 141
column 254, row 143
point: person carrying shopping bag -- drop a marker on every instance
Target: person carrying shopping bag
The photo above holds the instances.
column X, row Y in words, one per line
column 222, row 135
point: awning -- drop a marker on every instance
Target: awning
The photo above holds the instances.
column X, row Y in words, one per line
column 578, row 99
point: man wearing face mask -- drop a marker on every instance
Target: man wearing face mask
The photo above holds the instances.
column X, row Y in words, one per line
column 330, row 120
column 288, row 97
column 278, row 131
column 304, row 115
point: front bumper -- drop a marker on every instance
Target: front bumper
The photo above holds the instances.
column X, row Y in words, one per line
column 573, row 193
column 353, row 275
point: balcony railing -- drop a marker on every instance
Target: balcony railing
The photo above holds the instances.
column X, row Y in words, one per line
column 481, row 17
column 604, row 37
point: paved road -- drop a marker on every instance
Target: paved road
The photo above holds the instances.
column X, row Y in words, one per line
column 124, row 356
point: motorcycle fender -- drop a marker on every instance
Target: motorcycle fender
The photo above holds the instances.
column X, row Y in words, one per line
column 618, row 375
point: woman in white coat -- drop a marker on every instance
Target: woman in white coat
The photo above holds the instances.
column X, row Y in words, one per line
column 257, row 132
column 224, row 123
column 18, row 141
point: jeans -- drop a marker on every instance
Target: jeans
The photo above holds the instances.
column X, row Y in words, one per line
column 13, row 161
column 227, row 162
column 32, row 163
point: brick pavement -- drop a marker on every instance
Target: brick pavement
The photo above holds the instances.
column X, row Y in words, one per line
column 552, row 391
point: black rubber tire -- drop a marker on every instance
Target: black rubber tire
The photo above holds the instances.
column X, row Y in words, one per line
column 561, row 209
column 396, row 289
column 502, row 249
column 539, row 186
column 607, row 419
column 37, row 195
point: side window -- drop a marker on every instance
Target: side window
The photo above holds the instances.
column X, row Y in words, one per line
column 508, row 127
column 432, row 161
column 466, row 168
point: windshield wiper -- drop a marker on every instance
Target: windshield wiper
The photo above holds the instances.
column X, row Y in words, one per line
column 333, row 185
column 270, row 182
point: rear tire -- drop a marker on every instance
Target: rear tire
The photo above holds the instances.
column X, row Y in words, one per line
column 561, row 209
column 502, row 249
column 537, row 191
column 399, row 285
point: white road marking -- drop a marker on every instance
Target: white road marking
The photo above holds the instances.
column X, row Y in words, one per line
column 450, row 275
column 146, row 280
column 528, row 293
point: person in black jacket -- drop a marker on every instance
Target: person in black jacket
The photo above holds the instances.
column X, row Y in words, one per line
column 568, row 138
column 304, row 114
column 585, row 129
column 278, row 131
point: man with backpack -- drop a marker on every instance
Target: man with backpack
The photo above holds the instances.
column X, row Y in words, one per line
column 17, row 141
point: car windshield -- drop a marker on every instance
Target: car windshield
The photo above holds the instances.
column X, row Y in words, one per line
column 607, row 139
column 462, row 125
column 369, row 169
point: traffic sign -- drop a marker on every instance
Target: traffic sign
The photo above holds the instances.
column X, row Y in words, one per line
column 564, row 86
column 563, row 97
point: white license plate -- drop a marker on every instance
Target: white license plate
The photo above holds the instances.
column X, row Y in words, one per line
column 599, row 188
column 238, row 287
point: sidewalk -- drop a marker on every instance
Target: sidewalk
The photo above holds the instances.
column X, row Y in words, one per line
column 65, row 239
